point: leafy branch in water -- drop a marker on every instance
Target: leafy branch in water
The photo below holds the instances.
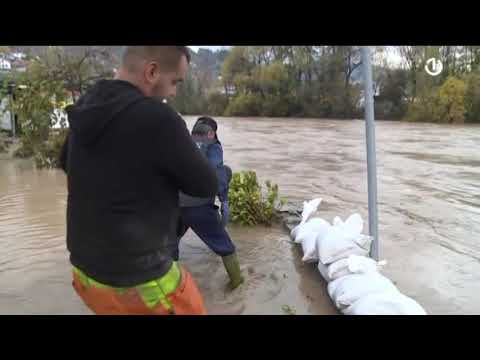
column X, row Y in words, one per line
column 287, row 310
column 250, row 204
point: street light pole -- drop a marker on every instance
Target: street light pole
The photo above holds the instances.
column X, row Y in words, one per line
column 12, row 116
column 371, row 152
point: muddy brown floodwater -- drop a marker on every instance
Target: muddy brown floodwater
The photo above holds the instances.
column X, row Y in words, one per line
column 429, row 212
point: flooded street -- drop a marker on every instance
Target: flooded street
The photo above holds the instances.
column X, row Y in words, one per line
column 429, row 218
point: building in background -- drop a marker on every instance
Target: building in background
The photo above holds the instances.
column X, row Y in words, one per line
column 5, row 65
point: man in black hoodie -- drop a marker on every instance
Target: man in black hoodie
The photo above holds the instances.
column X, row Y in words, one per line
column 127, row 156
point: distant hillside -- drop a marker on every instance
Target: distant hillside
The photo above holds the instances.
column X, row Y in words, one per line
column 205, row 60
column 110, row 54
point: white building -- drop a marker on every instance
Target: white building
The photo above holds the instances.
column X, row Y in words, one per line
column 5, row 120
column 19, row 55
column 5, row 64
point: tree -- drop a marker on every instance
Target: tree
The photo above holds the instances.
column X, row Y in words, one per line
column 236, row 63
column 472, row 98
column 324, row 81
column 77, row 72
column 451, row 97
column 49, row 83
column 37, row 95
column 413, row 58
column 391, row 103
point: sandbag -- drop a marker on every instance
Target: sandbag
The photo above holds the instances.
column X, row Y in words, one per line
column 339, row 244
column 309, row 208
column 337, row 221
column 364, row 241
column 309, row 247
column 353, row 226
column 349, row 289
column 388, row 303
column 309, row 236
column 354, row 223
column 323, row 269
column 316, row 225
column 353, row 264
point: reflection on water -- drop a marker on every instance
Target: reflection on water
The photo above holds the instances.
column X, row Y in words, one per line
column 429, row 210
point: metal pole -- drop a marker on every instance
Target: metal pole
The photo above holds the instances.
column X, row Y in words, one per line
column 12, row 116
column 371, row 158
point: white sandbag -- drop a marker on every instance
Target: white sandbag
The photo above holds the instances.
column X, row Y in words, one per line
column 315, row 225
column 338, row 269
column 337, row 221
column 338, row 244
column 309, row 247
column 348, row 289
column 294, row 232
column 388, row 303
column 323, row 269
column 353, row 264
column 309, row 236
column 309, row 208
column 364, row 241
column 354, row 227
column 354, row 224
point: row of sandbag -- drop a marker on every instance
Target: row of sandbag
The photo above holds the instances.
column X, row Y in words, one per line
column 355, row 283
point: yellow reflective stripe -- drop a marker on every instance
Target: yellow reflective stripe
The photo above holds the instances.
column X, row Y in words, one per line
column 156, row 291
column 151, row 292
column 88, row 281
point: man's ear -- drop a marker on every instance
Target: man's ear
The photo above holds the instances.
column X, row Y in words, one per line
column 151, row 72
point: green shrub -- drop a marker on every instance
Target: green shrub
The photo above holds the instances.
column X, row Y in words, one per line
column 275, row 106
column 472, row 98
column 425, row 108
column 451, row 97
column 445, row 104
column 217, row 104
column 249, row 205
column 244, row 104
column 48, row 153
column 25, row 150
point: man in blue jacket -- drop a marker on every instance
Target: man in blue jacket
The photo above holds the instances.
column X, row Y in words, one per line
column 200, row 213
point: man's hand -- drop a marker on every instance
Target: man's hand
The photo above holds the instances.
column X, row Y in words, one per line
column 225, row 213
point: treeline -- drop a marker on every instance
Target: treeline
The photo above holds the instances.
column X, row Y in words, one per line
column 53, row 79
column 326, row 82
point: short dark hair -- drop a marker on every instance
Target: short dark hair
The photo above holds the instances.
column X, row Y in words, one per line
column 168, row 57
column 207, row 120
column 185, row 51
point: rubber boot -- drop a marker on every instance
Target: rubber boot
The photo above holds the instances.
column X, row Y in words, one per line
column 233, row 269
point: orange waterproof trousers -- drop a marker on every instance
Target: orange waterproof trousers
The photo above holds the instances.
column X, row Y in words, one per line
column 176, row 293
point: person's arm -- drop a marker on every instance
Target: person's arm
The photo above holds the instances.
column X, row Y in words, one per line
column 64, row 155
column 215, row 157
column 178, row 156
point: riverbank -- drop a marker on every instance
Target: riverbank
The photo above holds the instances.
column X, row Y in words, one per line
column 8, row 146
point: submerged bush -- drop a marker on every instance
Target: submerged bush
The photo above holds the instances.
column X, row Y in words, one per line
column 249, row 204
column 48, row 154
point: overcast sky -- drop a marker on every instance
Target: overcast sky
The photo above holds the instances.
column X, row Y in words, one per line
column 213, row 48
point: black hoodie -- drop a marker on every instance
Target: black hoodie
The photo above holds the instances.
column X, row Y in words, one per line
column 126, row 157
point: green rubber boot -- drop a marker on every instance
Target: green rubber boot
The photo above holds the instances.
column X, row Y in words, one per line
column 233, row 269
